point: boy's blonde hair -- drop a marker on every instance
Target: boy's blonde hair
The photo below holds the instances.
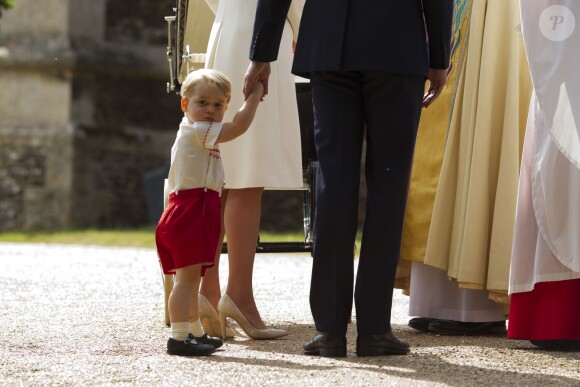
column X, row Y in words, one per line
column 206, row 75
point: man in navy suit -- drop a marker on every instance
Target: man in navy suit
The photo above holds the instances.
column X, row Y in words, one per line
column 367, row 61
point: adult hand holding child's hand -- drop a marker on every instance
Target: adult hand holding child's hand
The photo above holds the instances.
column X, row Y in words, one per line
column 257, row 72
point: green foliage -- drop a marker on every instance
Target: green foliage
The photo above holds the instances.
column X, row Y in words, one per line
column 6, row 4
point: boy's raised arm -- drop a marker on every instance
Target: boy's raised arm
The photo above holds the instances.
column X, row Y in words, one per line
column 243, row 118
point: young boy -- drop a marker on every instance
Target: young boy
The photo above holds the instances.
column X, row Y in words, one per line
column 188, row 231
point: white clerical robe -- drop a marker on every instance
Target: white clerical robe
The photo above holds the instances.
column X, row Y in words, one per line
column 547, row 232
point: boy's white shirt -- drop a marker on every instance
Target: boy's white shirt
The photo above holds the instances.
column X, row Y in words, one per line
column 195, row 157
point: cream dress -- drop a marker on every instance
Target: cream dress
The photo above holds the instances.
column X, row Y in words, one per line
column 269, row 153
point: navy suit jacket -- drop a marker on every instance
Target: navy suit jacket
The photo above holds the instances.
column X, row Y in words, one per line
column 359, row 35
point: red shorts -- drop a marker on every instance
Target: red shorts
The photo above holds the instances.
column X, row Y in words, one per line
column 189, row 230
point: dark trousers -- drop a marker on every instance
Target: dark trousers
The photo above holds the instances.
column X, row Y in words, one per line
column 388, row 106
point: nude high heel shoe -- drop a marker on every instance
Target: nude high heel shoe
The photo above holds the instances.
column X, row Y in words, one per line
column 210, row 319
column 227, row 308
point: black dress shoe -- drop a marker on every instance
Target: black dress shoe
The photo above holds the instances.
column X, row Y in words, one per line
column 380, row 345
column 215, row 342
column 420, row 323
column 188, row 347
column 557, row 345
column 458, row 328
column 326, row 345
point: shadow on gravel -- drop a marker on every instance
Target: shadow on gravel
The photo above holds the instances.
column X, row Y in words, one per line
column 450, row 360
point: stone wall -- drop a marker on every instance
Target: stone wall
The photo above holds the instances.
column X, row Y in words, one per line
column 84, row 112
column 24, row 180
column 109, row 170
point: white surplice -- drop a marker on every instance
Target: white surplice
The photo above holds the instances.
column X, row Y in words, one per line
column 433, row 295
column 547, row 232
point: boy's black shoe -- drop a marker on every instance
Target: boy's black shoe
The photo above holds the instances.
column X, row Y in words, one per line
column 215, row 342
column 188, row 347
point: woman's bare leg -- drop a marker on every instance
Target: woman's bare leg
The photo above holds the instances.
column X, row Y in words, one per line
column 210, row 283
column 242, row 222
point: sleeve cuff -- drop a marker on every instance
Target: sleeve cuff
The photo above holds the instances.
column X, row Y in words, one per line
column 208, row 132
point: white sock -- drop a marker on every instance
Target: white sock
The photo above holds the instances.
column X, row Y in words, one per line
column 195, row 328
column 179, row 331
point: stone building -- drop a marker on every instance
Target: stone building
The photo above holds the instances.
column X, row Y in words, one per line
column 83, row 112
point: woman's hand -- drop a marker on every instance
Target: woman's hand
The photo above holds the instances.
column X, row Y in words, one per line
column 256, row 72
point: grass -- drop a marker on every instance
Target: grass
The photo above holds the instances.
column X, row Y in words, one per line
column 144, row 237
column 130, row 238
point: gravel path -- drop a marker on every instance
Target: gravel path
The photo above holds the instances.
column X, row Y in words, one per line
column 72, row 315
